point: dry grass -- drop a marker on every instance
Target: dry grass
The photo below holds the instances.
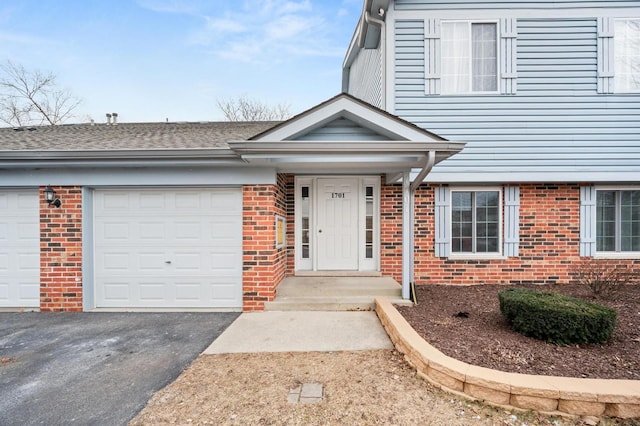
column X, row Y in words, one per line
column 361, row 388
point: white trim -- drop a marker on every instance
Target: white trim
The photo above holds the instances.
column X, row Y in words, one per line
column 614, row 254
column 311, row 264
column 489, row 255
column 615, row 57
column 346, row 107
column 470, row 23
column 525, row 13
column 141, row 176
column 389, row 60
column 301, row 264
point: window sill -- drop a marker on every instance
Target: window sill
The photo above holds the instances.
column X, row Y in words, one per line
column 621, row 256
column 482, row 256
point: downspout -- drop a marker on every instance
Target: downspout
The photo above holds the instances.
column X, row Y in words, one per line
column 408, row 229
column 368, row 19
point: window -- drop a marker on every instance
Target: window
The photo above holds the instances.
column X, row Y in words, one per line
column 627, row 55
column 368, row 222
column 305, row 219
column 475, row 221
column 618, row 221
column 469, row 57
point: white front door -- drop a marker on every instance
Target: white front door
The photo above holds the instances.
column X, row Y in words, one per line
column 338, row 224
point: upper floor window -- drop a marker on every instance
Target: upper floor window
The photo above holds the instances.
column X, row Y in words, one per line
column 469, row 56
column 618, row 221
column 627, row 55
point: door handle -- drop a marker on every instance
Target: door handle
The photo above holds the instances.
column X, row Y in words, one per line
column 319, row 231
column 168, row 262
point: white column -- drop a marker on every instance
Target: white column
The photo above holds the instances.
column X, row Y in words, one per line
column 407, row 241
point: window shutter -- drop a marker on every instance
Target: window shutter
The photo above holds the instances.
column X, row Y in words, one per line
column 509, row 56
column 606, row 57
column 587, row 221
column 511, row 221
column 432, row 56
column 442, row 206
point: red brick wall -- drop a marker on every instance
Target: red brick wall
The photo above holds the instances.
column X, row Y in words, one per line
column 264, row 266
column 549, row 240
column 391, row 231
column 61, row 251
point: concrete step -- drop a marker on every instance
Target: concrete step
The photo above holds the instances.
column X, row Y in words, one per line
column 328, row 303
column 338, row 286
column 333, row 293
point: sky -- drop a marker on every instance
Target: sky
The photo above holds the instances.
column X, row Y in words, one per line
column 153, row 60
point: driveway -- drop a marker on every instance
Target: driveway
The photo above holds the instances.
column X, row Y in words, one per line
column 94, row 368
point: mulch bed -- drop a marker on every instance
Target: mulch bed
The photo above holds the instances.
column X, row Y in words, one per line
column 485, row 339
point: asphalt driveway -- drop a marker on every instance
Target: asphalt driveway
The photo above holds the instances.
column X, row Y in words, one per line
column 94, row 368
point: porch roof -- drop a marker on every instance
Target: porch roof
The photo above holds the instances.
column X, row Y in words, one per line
column 345, row 135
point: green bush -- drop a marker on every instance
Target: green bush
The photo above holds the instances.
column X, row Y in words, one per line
column 556, row 318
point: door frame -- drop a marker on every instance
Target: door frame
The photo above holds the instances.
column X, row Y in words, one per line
column 306, row 257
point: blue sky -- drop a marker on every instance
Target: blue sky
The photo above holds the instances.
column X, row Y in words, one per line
column 150, row 60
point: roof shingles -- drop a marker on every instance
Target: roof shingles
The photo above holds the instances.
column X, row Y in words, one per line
column 129, row 136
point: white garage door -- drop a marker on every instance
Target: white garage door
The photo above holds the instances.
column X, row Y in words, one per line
column 168, row 248
column 19, row 249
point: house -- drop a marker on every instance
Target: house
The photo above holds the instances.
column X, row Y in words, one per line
column 201, row 215
column 547, row 96
column 476, row 142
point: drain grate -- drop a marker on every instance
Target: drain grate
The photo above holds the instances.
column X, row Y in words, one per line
column 306, row 393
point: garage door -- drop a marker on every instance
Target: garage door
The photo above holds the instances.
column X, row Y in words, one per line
column 176, row 248
column 19, row 249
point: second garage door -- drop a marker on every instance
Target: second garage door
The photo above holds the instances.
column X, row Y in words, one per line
column 168, row 248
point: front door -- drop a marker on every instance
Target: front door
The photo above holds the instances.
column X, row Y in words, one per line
column 337, row 230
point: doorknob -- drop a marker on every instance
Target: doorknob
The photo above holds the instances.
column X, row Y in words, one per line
column 168, row 262
column 319, row 231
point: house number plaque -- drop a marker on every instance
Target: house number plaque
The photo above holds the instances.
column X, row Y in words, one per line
column 337, row 195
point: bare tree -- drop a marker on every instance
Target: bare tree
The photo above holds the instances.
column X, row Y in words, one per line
column 247, row 109
column 32, row 97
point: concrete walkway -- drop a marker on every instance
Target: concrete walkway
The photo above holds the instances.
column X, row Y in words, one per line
column 297, row 331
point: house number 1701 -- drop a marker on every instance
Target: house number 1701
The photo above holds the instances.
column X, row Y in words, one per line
column 337, row 195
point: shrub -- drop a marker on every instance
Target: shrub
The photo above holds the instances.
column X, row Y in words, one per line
column 556, row 318
column 603, row 277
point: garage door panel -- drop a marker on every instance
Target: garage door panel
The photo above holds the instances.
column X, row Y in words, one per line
column 113, row 232
column 150, row 261
column 181, row 245
column 19, row 248
column 116, row 291
column 150, row 231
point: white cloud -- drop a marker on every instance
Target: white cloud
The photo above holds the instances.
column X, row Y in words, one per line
column 225, row 25
column 288, row 27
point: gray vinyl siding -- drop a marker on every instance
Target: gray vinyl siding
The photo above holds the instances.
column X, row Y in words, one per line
column 365, row 77
column 508, row 4
column 556, row 124
column 342, row 130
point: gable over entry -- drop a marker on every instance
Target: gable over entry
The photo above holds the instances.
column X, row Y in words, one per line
column 347, row 145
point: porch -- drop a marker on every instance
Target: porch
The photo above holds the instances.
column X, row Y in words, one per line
column 334, row 293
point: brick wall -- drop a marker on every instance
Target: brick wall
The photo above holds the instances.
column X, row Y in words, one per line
column 264, row 266
column 549, row 240
column 61, row 251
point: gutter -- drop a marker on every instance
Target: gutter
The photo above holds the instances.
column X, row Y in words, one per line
column 426, row 169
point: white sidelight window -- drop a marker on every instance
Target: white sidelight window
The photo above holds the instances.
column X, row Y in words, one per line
column 627, row 55
column 469, row 57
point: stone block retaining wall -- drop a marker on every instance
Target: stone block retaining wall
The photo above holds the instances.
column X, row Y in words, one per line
column 546, row 394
